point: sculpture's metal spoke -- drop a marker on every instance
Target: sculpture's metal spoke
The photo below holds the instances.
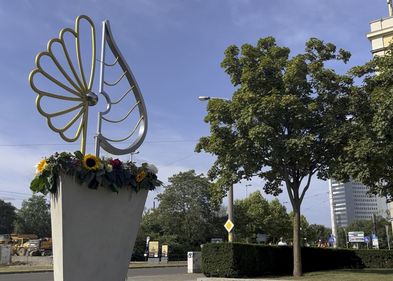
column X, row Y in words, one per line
column 58, row 113
column 78, row 88
column 70, row 63
column 55, row 81
column 117, row 81
column 126, row 138
column 69, row 124
column 122, row 119
column 119, row 100
column 109, row 64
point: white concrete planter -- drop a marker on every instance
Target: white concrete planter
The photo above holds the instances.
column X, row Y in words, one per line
column 93, row 231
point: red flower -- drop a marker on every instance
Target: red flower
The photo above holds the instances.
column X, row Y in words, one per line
column 116, row 163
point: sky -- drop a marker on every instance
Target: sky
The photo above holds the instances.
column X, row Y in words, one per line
column 174, row 48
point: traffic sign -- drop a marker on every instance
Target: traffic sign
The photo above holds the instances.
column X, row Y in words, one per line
column 356, row 236
column 366, row 239
column 229, row 225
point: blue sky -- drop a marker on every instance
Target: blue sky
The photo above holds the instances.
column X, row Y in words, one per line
column 174, row 48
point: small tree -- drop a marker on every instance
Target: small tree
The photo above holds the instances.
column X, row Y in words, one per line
column 7, row 218
column 34, row 217
column 284, row 123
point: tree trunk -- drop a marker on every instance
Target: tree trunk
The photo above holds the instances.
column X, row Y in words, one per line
column 297, row 257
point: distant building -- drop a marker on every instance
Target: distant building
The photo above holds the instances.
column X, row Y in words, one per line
column 350, row 201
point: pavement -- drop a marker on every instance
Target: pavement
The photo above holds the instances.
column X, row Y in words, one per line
column 26, row 268
column 18, row 269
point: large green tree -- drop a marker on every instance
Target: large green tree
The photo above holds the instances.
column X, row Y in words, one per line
column 368, row 155
column 186, row 216
column 34, row 217
column 255, row 214
column 283, row 123
column 7, row 218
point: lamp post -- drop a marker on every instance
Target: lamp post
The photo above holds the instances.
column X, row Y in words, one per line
column 230, row 191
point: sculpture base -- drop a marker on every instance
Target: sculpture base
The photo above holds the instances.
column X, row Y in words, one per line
column 93, row 231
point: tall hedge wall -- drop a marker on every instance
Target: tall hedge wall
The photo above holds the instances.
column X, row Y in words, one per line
column 247, row 260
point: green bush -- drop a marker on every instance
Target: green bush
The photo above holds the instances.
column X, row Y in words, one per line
column 241, row 260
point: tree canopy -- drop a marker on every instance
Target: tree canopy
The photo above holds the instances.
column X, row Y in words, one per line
column 7, row 218
column 284, row 123
column 368, row 155
column 34, row 217
column 186, row 216
column 255, row 214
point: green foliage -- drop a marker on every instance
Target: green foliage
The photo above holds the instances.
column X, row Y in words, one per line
column 107, row 172
column 7, row 218
column 34, row 217
column 248, row 260
column 255, row 214
column 285, row 122
column 186, row 216
column 368, row 155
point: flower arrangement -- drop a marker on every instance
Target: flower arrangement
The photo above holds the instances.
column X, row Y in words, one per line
column 95, row 172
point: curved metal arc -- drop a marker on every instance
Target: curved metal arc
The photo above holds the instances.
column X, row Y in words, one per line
column 93, row 51
column 117, row 81
column 101, row 141
column 70, row 63
column 129, row 135
column 125, row 117
column 50, row 77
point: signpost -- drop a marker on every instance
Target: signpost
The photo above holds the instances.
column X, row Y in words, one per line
column 356, row 237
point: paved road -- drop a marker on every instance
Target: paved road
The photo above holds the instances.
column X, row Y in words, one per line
column 135, row 274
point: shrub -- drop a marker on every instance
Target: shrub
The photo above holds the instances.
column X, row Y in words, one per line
column 246, row 260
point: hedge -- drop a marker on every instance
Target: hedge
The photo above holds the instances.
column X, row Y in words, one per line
column 248, row 260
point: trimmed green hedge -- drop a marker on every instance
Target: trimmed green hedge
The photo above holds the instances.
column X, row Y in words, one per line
column 247, row 260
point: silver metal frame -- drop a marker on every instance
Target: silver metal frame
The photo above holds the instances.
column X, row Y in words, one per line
column 102, row 141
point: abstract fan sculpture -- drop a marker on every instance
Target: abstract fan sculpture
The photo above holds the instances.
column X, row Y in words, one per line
column 77, row 94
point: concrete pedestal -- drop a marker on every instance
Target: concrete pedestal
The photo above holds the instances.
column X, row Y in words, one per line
column 93, row 231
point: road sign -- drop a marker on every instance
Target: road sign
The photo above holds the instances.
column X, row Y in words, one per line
column 366, row 239
column 229, row 225
column 356, row 236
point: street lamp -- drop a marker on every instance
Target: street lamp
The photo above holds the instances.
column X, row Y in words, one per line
column 230, row 191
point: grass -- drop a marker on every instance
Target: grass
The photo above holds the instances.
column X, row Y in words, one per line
column 368, row 274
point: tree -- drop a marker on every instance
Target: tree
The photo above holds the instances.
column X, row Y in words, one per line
column 368, row 156
column 34, row 217
column 315, row 232
column 283, row 123
column 7, row 218
column 186, row 216
column 255, row 214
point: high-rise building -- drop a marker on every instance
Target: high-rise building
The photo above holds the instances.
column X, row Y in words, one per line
column 350, row 201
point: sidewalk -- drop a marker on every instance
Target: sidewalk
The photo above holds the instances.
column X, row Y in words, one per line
column 7, row 269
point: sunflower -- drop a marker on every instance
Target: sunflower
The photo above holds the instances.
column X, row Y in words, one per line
column 91, row 162
column 140, row 176
column 41, row 166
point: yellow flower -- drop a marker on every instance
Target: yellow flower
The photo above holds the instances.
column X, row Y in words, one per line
column 91, row 162
column 41, row 166
column 140, row 176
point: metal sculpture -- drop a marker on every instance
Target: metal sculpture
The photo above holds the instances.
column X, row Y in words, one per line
column 81, row 94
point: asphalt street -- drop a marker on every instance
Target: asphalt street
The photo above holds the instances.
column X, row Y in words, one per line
column 135, row 274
